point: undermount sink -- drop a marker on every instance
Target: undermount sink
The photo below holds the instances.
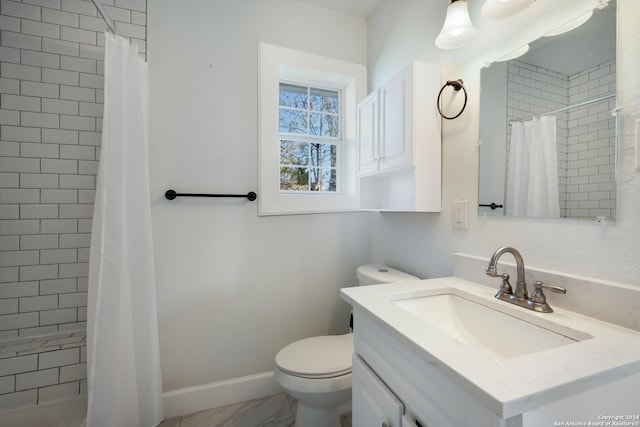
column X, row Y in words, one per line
column 484, row 328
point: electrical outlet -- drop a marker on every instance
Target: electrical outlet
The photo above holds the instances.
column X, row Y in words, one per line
column 461, row 215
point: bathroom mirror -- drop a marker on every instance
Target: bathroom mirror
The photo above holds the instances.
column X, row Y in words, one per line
column 548, row 128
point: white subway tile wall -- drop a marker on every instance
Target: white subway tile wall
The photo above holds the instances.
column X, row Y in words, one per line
column 51, row 95
column 586, row 135
column 591, row 158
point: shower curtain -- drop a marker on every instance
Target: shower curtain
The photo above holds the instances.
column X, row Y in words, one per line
column 532, row 179
column 124, row 383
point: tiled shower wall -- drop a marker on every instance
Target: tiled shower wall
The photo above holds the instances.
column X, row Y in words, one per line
column 592, row 131
column 51, row 96
column 586, row 135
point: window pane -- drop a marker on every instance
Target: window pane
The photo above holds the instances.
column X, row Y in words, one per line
column 304, row 110
column 322, row 179
column 323, row 155
column 293, row 96
column 324, row 125
column 329, row 180
column 294, row 153
column 293, row 121
column 324, row 100
column 294, row 179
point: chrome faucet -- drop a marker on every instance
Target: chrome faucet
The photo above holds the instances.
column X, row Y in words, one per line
column 521, row 285
column 537, row 302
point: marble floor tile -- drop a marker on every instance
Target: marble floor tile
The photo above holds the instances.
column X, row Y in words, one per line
column 273, row 411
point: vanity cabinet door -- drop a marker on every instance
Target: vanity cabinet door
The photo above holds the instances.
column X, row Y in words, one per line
column 368, row 135
column 408, row 422
column 374, row 405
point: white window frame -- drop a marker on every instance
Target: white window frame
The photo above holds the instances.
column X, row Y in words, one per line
column 278, row 63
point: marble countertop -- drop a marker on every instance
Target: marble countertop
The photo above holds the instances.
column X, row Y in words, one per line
column 603, row 352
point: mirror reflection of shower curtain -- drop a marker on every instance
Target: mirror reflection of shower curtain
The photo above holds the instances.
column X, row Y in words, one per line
column 123, row 356
column 532, row 178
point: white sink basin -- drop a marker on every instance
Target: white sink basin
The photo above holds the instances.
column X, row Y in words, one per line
column 484, row 328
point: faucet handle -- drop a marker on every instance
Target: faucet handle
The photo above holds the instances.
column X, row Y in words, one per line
column 505, row 286
column 538, row 296
column 557, row 289
column 506, row 291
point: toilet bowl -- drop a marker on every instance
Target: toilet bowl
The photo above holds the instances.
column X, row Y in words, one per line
column 317, row 371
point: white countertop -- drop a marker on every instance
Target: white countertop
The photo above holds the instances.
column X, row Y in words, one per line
column 507, row 386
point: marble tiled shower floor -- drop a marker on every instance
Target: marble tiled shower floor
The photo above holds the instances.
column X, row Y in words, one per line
column 273, row 411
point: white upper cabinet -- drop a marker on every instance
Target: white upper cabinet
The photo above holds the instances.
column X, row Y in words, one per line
column 368, row 134
column 394, row 144
column 399, row 143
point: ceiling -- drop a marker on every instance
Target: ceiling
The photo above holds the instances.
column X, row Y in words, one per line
column 585, row 47
column 592, row 44
column 353, row 7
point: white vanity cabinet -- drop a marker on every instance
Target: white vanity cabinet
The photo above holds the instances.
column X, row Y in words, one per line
column 399, row 142
column 408, row 422
column 452, row 355
column 373, row 403
column 392, row 372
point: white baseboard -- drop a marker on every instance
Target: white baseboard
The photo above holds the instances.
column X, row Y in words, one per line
column 213, row 395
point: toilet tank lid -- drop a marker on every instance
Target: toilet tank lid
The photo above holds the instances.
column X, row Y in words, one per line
column 371, row 274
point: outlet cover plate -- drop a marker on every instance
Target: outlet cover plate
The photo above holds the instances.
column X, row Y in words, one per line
column 461, row 215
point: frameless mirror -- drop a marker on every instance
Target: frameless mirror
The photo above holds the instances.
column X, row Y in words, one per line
column 548, row 128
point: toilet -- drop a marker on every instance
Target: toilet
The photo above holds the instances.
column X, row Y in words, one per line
column 317, row 371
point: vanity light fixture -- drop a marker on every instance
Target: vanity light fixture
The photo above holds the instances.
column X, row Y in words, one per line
column 497, row 9
column 457, row 29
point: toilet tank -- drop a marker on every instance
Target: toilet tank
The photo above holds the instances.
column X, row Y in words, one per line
column 374, row 274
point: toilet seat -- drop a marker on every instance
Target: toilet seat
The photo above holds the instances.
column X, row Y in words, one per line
column 317, row 357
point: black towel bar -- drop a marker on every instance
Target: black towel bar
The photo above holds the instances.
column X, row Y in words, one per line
column 492, row 206
column 171, row 194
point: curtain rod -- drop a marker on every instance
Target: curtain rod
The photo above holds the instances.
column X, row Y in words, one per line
column 559, row 110
column 105, row 16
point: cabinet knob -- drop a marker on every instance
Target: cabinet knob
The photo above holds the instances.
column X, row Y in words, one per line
column 385, row 424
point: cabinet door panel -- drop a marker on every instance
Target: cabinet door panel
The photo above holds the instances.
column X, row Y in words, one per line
column 374, row 405
column 395, row 139
column 408, row 422
column 368, row 135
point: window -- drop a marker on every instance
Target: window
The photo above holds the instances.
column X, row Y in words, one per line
column 307, row 132
column 310, row 140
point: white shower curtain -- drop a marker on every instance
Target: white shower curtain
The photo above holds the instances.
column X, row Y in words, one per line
column 532, row 179
column 124, row 383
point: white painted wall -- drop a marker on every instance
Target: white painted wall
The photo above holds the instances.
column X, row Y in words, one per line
column 422, row 243
column 234, row 288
